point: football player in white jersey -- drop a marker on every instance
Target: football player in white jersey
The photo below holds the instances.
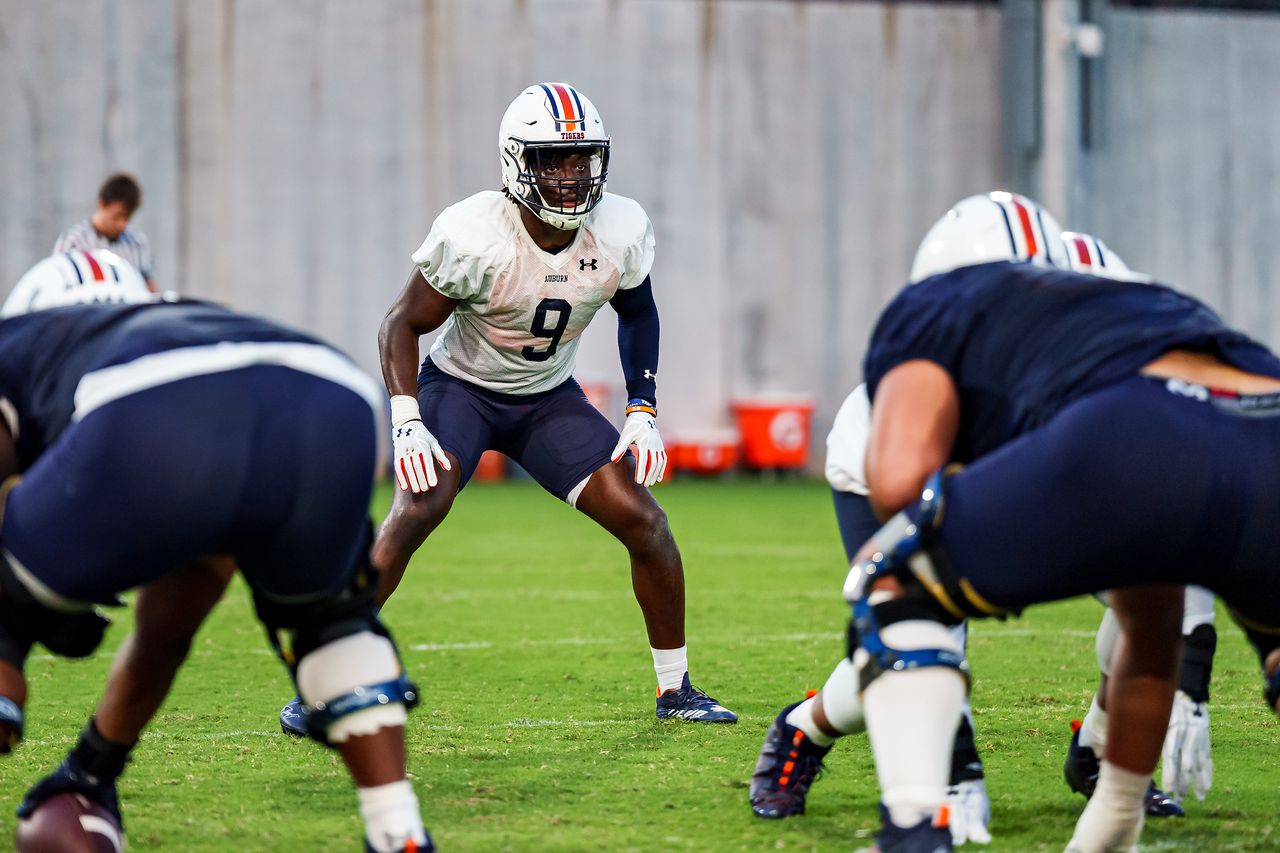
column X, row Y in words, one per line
column 514, row 277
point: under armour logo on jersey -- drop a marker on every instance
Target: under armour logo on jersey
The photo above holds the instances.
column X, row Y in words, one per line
column 583, row 264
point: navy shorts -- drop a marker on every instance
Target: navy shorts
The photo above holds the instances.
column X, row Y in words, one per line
column 557, row 435
column 266, row 463
column 856, row 519
column 1139, row 483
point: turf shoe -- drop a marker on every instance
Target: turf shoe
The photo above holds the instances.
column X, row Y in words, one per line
column 687, row 702
column 291, row 718
column 1081, row 772
column 787, row 766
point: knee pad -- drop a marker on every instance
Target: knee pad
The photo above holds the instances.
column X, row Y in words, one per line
column 1104, row 642
column 354, row 686
column 920, row 640
column 342, row 659
column 908, row 548
column 1197, row 662
column 27, row 617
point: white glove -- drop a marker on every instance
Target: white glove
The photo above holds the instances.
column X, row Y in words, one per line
column 970, row 812
column 1186, row 762
column 641, row 429
column 415, row 449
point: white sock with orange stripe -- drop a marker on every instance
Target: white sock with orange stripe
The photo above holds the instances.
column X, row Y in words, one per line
column 670, row 665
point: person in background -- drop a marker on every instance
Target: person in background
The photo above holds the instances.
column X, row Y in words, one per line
column 119, row 198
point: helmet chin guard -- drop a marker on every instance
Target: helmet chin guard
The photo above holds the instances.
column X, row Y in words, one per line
column 554, row 153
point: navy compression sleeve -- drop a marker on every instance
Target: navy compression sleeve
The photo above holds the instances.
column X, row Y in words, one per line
column 638, row 339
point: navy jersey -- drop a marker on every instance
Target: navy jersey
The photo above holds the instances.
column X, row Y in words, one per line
column 44, row 355
column 1021, row 341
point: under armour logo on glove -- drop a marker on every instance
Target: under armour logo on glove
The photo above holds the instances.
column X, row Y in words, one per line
column 583, row 264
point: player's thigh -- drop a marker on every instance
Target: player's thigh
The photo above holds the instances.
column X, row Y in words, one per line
column 1109, row 493
column 130, row 492
column 561, row 441
column 305, row 528
column 461, row 419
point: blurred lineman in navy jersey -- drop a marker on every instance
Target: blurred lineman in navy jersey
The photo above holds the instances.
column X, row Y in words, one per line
column 119, row 198
column 173, row 439
column 1117, row 436
column 514, row 277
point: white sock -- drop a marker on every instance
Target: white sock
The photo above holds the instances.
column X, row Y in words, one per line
column 840, row 704
column 1112, row 821
column 801, row 717
column 670, row 666
column 912, row 717
column 391, row 816
column 1093, row 729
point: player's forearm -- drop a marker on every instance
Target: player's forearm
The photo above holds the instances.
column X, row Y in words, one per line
column 638, row 339
column 398, row 352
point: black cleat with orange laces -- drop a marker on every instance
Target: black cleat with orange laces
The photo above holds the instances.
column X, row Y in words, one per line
column 787, row 766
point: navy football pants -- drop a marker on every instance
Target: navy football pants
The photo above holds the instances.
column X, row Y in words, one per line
column 1134, row 484
column 268, row 464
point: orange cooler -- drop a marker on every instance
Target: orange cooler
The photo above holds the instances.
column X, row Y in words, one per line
column 775, row 430
column 705, row 452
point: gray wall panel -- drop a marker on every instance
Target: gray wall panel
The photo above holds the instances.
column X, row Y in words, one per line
column 293, row 154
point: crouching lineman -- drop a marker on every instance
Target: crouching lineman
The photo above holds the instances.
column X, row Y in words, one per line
column 163, row 434
column 1186, row 763
column 514, row 277
column 1121, row 437
column 775, row 793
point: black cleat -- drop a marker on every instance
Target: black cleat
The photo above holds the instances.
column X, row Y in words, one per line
column 1081, row 772
column 927, row 836
column 1157, row 803
column 787, row 766
column 1081, row 767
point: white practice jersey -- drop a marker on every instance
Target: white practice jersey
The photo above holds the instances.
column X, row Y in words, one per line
column 847, row 444
column 521, row 310
column 130, row 245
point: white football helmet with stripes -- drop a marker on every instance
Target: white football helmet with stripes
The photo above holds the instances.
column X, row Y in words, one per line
column 996, row 226
column 77, row 278
column 543, row 127
column 1087, row 254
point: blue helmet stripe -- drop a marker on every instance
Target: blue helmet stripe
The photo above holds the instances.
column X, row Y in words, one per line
column 555, row 108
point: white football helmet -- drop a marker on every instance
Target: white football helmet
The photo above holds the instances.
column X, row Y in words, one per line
column 545, row 124
column 996, row 226
column 1087, row 254
column 76, row 278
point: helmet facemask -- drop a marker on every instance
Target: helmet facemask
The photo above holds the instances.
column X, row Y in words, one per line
column 560, row 182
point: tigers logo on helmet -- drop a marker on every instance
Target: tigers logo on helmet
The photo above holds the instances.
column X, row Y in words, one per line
column 77, row 278
column 544, row 124
column 995, row 226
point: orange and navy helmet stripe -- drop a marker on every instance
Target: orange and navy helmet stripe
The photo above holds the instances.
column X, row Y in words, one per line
column 1087, row 250
column 566, row 106
column 1022, row 220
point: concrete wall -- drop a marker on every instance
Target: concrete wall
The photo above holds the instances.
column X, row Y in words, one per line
column 1184, row 178
column 293, row 154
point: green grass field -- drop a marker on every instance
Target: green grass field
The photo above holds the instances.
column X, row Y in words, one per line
column 537, row 732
